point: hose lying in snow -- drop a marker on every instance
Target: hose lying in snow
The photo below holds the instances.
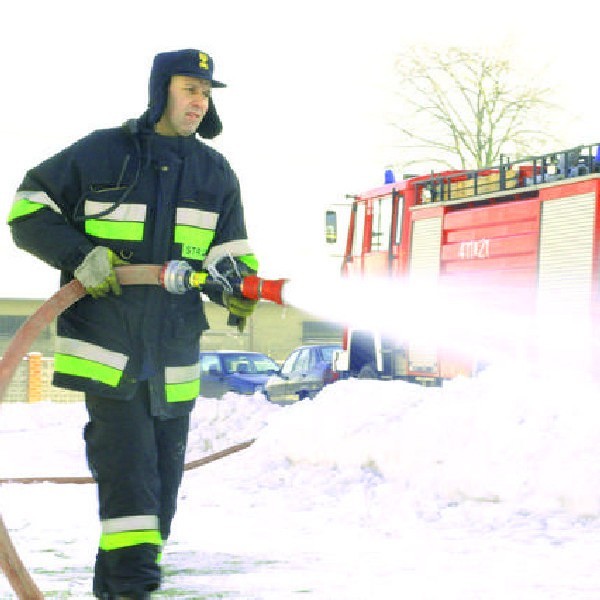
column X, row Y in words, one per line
column 10, row 563
column 193, row 464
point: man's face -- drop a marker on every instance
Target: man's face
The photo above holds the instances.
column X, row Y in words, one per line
column 187, row 104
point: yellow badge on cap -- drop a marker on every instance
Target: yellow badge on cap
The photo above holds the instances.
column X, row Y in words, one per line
column 203, row 60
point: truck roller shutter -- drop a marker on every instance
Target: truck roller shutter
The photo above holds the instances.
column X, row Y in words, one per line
column 425, row 249
column 424, row 269
column 566, row 252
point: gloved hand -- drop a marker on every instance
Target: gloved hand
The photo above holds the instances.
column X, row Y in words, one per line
column 240, row 308
column 97, row 274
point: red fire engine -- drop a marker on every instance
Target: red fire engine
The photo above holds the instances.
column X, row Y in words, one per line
column 532, row 223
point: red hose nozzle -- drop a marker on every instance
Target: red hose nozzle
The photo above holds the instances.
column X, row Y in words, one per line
column 255, row 288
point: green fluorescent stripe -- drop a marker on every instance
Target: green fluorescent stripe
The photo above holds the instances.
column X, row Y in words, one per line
column 184, row 234
column 182, row 392
column 22, row 208
column 80, row 367
column 115, row 230
column 126, row 539
column 250, row 260
column 237, row 248
column 91, row 352
column 194, row 241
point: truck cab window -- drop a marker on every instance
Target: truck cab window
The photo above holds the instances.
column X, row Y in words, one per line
column 398, row 232
column 331, row 227
column 382, row 221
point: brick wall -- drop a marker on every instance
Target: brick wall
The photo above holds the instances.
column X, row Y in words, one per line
column 18, row 389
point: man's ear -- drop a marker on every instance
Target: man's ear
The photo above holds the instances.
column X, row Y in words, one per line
column 210, row 126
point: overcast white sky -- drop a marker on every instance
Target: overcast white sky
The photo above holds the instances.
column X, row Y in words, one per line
column 305, row 109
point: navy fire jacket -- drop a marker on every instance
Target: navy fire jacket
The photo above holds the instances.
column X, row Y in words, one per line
column 151, row 199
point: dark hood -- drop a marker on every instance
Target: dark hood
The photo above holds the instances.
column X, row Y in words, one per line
column 192, row 63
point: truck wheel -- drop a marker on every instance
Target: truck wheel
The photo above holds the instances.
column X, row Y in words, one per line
column 368, row 372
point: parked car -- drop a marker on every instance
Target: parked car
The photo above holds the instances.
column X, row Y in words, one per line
column 303, row 374
column 234, row 371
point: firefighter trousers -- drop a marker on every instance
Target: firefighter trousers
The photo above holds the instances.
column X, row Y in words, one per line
column 137, row 461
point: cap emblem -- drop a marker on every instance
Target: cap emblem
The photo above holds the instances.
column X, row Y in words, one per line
column 203, row 60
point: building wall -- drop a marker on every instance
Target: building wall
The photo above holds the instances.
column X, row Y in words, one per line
column 13, row 313
column 272, row 329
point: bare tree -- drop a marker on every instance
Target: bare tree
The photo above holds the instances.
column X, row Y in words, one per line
column 465, row 108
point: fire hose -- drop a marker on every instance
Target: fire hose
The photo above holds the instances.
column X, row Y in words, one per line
column 176, row 277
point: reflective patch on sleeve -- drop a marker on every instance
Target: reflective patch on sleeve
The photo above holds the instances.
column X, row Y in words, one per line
column 237, row 248
column 250, row 261
column 27, row 203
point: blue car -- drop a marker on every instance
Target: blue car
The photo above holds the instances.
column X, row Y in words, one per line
column 236, row 371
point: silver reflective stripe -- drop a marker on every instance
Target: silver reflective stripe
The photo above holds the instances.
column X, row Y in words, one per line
column 182, row 374
column 197, row 218
column 89, row 351
column 37, row 198
column 233, row 248
column 124, row 212
column 133, row 523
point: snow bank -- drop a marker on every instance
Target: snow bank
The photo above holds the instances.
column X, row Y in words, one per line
column 528, row 442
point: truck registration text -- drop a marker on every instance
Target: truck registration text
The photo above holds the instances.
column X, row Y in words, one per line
column 473, row 249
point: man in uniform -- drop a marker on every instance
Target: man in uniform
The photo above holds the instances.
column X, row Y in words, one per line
column 148, row 191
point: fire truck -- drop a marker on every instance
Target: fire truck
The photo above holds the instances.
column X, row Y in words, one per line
column 530, row 223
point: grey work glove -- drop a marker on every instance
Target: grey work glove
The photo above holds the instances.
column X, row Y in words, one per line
column 97, row 274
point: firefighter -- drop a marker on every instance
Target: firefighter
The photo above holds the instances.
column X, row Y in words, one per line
column 146, row 192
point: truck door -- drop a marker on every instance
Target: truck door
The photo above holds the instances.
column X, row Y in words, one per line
column 396, row 265
column 377, row 255
column 337, row 224
column 354, row 264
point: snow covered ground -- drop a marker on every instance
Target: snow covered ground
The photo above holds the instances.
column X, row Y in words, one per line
column 487, row 488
